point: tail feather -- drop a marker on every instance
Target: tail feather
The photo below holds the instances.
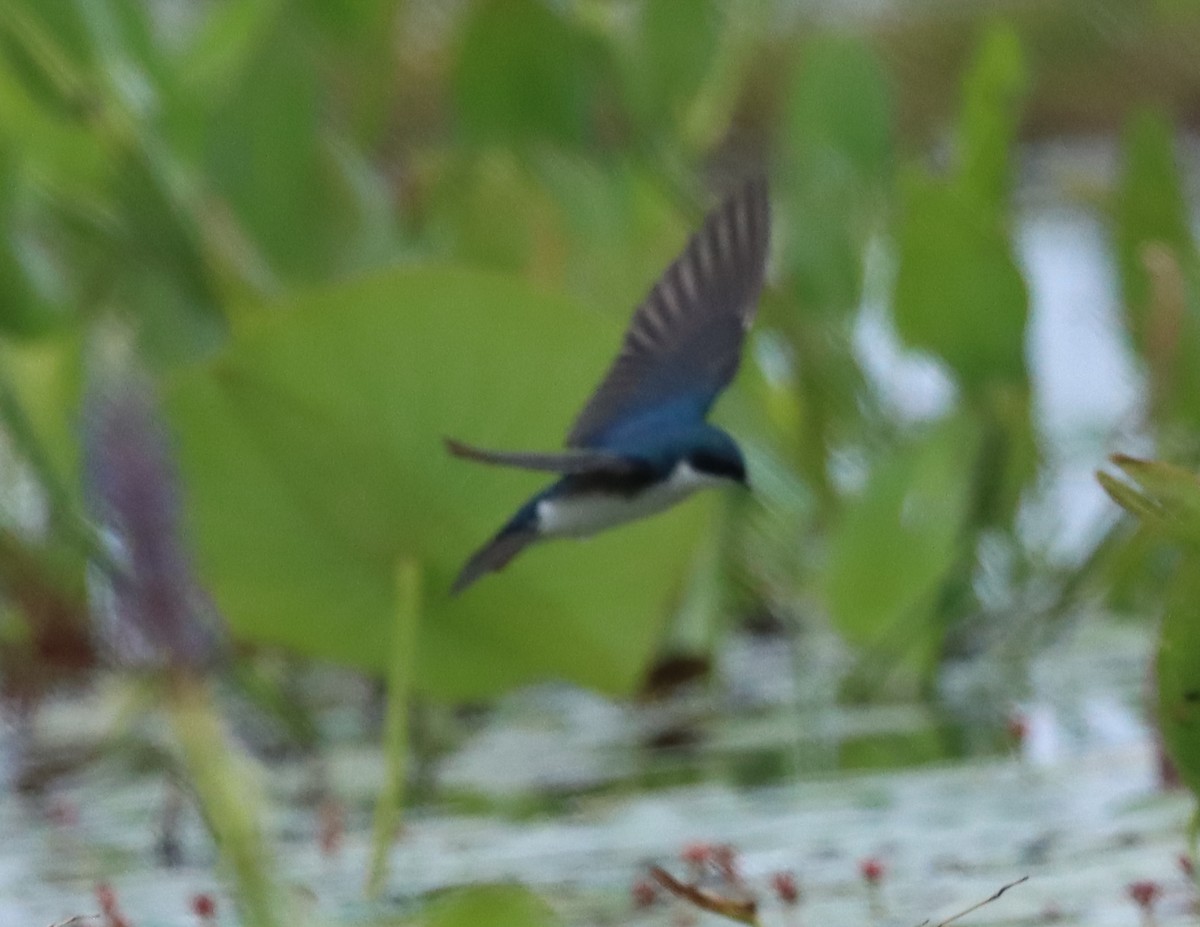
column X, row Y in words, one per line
column 493, row 556
column 581, row 460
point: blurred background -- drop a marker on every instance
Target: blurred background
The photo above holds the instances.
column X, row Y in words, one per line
column 258, row 258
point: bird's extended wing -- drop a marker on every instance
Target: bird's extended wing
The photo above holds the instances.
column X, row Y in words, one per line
column 685, row 339
column 573, row 461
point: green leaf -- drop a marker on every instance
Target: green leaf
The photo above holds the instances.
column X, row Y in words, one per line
column 1150, row 209
column 1008, row 462
column 958, row 290
column 1163, row 496
column 495, row 905
column 674, row 46
column 23, row 310
column 264, row 153
column 837, row 158
column 840, row 101
column 312, row 453
column 46, row 380
column 223, row 44
column 525, row 73
column 1178, row 672
column 900, row 537
column 993, row 92
column 56, row 150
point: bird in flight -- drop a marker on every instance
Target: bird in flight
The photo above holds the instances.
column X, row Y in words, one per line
column 641, row 443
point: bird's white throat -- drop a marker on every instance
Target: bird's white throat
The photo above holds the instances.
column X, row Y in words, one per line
column 581, row 515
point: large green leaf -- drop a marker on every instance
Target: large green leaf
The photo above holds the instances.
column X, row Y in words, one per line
column 1156, row 259
column 958, row 291
column 836, row 160
column 898, row 539
column 1150, row 209
column 993, row 91
column 312, row 453
column 840, row 101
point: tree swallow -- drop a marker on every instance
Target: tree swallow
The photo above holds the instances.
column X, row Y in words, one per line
column 641, row 444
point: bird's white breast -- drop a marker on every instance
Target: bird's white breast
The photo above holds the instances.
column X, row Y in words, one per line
column 581, row 515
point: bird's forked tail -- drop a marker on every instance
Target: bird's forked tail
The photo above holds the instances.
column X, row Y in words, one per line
column 495, row 554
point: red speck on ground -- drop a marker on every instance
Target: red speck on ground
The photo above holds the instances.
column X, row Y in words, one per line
column 784, row 884
column 872, row 869
column 645, row 893
column 696, row 854
column 204, row 906
column 1144, row 892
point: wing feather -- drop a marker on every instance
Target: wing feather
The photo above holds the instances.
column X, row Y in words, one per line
column 685, row 339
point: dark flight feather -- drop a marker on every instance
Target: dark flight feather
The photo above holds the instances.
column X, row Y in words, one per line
column 685, row 339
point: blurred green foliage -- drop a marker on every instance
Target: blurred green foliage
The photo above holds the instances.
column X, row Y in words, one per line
column 1166, row 500
column 1157, row 261
column 342, row 232
column 908, row 524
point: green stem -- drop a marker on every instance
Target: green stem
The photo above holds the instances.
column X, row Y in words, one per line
column 391, row 797
column 222, row 786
